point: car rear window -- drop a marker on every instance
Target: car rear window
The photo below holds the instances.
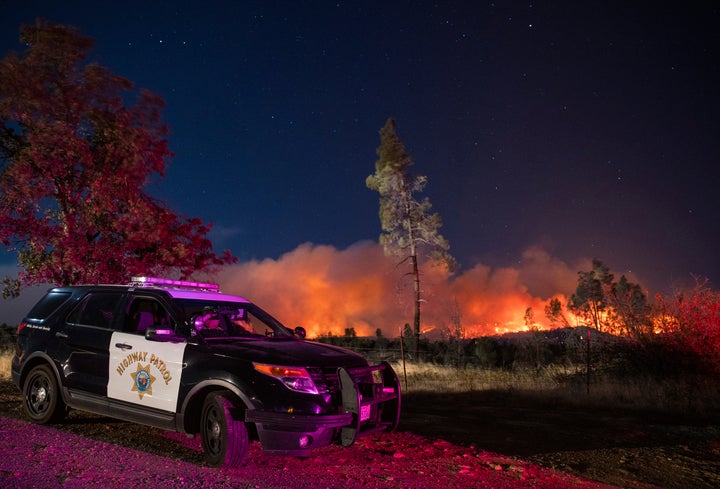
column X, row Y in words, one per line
column 96, row 309
column 48, row 304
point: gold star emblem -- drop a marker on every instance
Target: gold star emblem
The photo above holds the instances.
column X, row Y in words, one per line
column 142, row 380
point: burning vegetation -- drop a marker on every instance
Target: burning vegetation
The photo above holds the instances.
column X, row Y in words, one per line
column 328, row 290
column 358, row 298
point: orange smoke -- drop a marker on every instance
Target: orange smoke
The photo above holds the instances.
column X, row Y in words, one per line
column 328, row 290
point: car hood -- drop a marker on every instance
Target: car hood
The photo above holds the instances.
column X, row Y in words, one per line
column 288, row 352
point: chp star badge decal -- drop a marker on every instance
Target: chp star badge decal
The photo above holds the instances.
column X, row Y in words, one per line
column 142, row 380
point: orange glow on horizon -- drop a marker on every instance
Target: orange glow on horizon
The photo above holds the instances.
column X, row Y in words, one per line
column 327, row 290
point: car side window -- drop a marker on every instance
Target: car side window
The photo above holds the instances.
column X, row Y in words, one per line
column 96, row 309
column 144, row 313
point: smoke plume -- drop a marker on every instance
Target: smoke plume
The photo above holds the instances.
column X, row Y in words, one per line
column 328, row 290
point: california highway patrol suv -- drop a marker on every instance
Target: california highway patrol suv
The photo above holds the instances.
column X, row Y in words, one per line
column 185, row 357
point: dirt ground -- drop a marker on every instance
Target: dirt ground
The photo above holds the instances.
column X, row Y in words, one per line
column 475, row 439
column 618, row 447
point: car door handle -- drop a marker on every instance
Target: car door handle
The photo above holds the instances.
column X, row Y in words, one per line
column 123, row 346
column 61, row 335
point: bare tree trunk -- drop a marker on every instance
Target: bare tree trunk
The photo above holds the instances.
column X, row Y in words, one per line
column 416, row 321
column 402, row 355
column 587, row 366
column 409, row 227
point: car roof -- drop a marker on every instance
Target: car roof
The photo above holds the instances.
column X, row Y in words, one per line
column 178, row 289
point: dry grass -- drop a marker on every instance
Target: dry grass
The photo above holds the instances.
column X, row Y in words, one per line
column 5, row 359
column 439, row 378
column 567, row 385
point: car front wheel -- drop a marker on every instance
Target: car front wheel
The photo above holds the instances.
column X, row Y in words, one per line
column 42, row 402
column 224, row 434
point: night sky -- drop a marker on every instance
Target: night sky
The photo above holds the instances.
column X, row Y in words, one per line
column 583, row 129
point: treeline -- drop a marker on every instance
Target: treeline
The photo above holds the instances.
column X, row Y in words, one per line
column 583, row 352
column 607, row 325
column 513, row 350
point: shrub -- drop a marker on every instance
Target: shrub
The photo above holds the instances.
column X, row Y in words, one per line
column 689, row 327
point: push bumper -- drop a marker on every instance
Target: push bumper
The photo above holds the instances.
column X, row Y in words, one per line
column 372, row 396
column 370, row 403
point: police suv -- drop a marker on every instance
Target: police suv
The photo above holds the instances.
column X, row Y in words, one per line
column 185, row 357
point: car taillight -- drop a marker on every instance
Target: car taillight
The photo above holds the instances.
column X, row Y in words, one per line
column 20, row 327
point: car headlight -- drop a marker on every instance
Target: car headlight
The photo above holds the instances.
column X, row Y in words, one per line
column 294, row 378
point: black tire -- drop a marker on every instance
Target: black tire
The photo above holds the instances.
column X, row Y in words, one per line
column 224, row 435
column 42, row 401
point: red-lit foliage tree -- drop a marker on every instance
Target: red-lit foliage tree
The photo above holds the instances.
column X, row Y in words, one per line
column 689, row 323
column 75, row 157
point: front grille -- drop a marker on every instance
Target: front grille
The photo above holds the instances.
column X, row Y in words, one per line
column 326, row 380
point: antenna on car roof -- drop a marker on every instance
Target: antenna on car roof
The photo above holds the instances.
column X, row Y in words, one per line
column 166, row 282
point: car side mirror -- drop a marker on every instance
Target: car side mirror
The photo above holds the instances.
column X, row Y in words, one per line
column 163, row 335
column 300, row 332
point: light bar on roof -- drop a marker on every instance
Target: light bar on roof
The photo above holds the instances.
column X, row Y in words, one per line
column 157, row 281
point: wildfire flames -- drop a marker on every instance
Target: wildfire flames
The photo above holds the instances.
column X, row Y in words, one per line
column 327, row 290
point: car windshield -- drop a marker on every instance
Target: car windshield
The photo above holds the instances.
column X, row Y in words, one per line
column 222, row 319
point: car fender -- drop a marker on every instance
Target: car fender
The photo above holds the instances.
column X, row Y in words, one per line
column 189, row 413
column 37, row 358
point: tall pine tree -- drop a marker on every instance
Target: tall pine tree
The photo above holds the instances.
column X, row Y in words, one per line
column 409, row 230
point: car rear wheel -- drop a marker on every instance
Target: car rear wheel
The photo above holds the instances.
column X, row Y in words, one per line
column 42, row 401
column 224, row 434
